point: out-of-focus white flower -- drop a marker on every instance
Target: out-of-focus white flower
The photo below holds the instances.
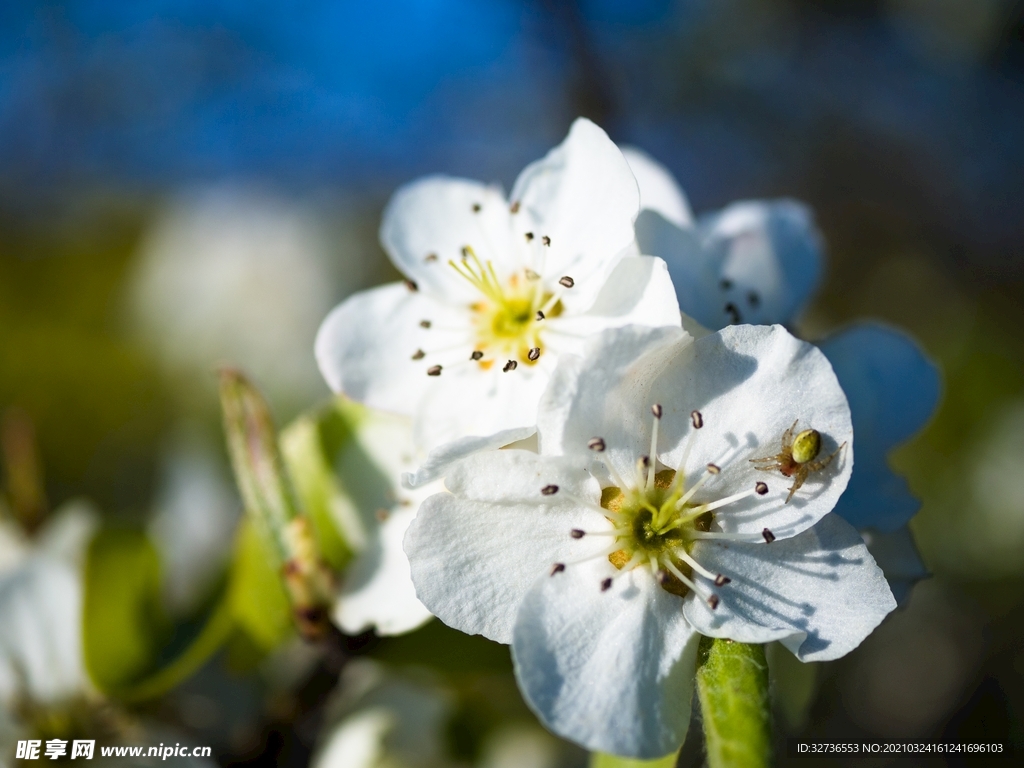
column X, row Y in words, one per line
column 754, row 261
column 230, row 275
column 41, row 658
column 192, row 528
column 374, row 512
column 384, row 719
column 497, row 288
column 601, row 571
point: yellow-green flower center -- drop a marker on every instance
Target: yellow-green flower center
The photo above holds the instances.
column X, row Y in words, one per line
column 510, row 316
column 655, row 523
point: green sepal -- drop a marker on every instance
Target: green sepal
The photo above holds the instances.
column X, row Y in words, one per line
column 308, row 445
column 732, row 684
column 257, row 598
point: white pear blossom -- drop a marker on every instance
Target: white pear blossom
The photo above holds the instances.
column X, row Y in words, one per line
column 41, row 662
column 196, row 512
column 374, row 511
column 238, row 274
column 754, row 261
column 380, row 718
column 495, row 288
column 643, row 522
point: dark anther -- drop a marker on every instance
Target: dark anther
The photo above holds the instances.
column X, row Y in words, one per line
column 696, row 419
column 606, row 584
column 529, row 236
column 514, row 208
column 733, row 313
column 424, row 323
column 530, row 274
column 596, row 444
column 753, row 299
column 434, row 370
column 534, row 353
column 476, row 355
column 566, row 281
column 656, row 410
column 714, row 469
column 663, row 578
column 721, row 581
column 430, row 257
column 645, row 461
column 511, row 365
column 725, row 283
column 546, row 240
column 557, row 568
column 411, row 285
column 419, row 354
column 540, row 315
column 713, row 601
column 476, row 207
column 549, row 490
column 576, row 533
column 768, row 535
column 761, row 488
column 466, row 250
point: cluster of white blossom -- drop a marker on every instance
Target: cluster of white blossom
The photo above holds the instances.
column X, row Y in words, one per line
column 619, row 478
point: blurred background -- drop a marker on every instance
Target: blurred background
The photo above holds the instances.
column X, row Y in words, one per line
column 186, row 183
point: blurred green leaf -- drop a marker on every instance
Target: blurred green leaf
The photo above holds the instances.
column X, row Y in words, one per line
column 122, row 620
column 213, row 635
column 599, row 760
column 732, row 683
column 257, row 597
column 793, row 683
column 303, row 448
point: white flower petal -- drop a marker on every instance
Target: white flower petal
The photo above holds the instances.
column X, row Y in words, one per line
column 468, row 401
column 639, row 291
column 596, row 395
column 68, row 532
column 750, row 383
column 893, row 389
column 365, row 346
column 658, row 188
column 767, row 257
column 476, row 551
column 40, row 635
column 435, row 217
column 378, row 590
column 897, row 556
column 441, row 459
column 819, row 593
column 611, row 670
column 584, row 197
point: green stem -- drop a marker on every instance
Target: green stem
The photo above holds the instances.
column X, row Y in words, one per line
column 732, row 683
column 212, row 636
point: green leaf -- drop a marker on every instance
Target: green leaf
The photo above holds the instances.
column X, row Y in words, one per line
column 258, row 601
column 213, row 635
column 793, row 683
column 599, row 760
column 303, row 448
column 732, row 683
column 122, row 619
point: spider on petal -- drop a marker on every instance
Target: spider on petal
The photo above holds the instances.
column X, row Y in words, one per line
column 796, row 459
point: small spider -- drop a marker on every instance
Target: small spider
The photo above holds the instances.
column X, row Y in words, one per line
column 796, row 457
